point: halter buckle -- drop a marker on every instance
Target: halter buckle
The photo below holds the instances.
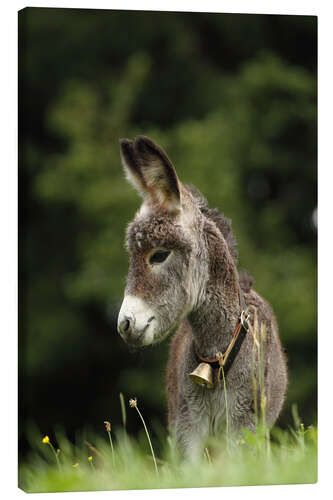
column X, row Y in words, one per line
column 245, row 316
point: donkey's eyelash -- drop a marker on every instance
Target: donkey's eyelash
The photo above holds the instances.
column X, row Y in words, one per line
column 159, row 256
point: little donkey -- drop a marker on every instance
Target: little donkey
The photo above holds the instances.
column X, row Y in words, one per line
column 183, row 279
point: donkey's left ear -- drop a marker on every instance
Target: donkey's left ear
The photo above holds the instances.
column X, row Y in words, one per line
column 158, row 173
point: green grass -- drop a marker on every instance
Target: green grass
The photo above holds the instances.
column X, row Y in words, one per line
column 120, row 462
column 286, row 457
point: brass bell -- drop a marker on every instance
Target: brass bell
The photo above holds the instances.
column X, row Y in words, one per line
column 203, row 375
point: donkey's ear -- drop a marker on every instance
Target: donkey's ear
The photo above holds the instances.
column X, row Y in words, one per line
column 157, row 173
column 131, row 166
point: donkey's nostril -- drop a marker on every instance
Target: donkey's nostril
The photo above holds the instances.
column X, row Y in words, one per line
column 125, row 325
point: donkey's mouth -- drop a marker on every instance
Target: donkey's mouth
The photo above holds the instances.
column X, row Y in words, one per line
column 136, row 340
column 140, row 339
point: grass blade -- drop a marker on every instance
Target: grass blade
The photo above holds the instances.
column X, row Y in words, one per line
column 123, row 409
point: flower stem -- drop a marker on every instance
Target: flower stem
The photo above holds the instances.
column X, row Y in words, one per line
column 111, row 444
column 147, row 433
column 226, row 406
column 55, row 453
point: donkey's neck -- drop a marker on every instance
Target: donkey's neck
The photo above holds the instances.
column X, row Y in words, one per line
column 213, row 321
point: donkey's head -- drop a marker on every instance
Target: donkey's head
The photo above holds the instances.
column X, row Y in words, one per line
column 168, row 257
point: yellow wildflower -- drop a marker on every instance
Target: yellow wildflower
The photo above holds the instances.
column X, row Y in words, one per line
column 90, row 458
column 46, row 440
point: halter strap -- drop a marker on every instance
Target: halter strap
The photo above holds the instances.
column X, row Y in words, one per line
column 234, row 346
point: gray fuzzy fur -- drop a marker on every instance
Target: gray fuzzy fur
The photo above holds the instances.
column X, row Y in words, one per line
column 194, row 295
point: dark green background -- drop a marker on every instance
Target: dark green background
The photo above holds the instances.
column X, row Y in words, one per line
column 232, row 99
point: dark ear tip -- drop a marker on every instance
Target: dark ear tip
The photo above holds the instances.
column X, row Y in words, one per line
column 143, row 143
column 125, row 144
column 143, row 138
column 124, row 141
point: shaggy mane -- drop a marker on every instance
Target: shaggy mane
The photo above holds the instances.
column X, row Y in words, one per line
column 224, row 224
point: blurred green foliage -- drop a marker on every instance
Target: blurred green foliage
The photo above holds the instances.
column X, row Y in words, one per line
column 232, row 99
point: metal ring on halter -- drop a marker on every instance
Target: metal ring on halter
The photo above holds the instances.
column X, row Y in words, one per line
column 244, row 319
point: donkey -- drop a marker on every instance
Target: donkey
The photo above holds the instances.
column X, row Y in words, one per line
column 183, row 279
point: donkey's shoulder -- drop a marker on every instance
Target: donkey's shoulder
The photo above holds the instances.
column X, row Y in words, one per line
column 178, row 346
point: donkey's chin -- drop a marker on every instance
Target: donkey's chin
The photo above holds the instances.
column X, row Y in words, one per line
column 160, row 336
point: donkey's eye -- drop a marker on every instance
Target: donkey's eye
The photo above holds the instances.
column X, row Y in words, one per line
column 159, row 256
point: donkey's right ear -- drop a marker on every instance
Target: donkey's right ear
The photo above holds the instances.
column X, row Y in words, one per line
column 131, row 166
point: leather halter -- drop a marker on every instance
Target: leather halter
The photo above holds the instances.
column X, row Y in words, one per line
column 226, row 359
